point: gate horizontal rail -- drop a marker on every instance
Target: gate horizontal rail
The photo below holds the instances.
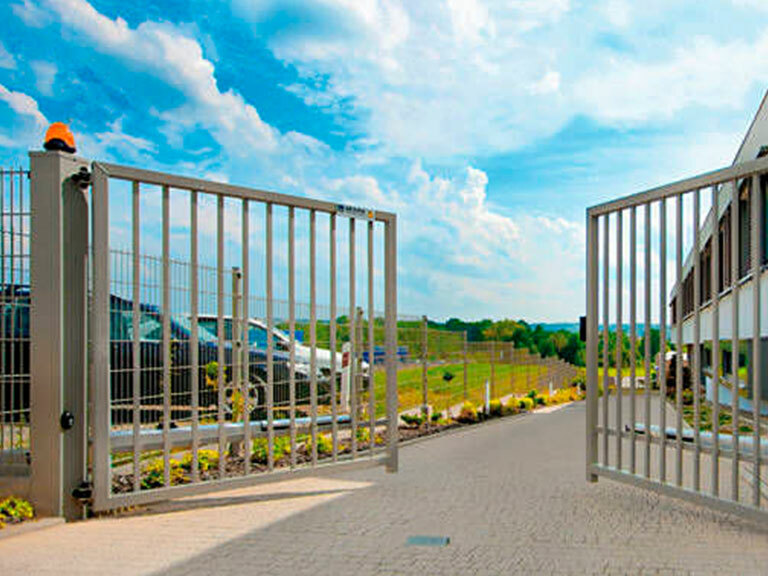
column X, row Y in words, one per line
column 687, row 337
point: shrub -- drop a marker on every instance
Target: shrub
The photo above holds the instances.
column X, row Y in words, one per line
column 512, row 407
column 525, row 404
column 212, row 374
column 495, row 408
column 206, row 460
column 468, row 413
column 14, row 510
column 532, row 394
column 414, row 420
column 324, row 444
column 260, row 449
column 363, row 435
column 436, row 417
column 154, row 474
column 540, row 400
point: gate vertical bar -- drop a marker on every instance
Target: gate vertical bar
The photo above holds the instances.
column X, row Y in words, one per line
column 756, row 329
column 735, row 341
column 99, row 389
column 647, row 339
column 696, row 341
column 136, row 344
column 390, row 275
column 292, row 328
column 332, row 338
column 220, row 333
column 270, row 344
column 678, row 319
column 245, row 331
column 352, row 338
column 662, row 370
column 166, row 339
column 606, row 335
column 371, row 337
column 716, row 361
column 194, row 349
column 619, row 334
column 592, row 336
column 632, row 334
column 313, row 333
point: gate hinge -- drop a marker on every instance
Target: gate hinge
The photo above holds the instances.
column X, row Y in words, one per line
column 83, row 493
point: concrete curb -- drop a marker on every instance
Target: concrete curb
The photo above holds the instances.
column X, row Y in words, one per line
column 27, row 527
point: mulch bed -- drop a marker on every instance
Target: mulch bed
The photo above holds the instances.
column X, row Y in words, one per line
column 235, row 464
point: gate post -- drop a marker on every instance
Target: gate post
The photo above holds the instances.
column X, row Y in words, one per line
column 58, row 278
column 390, row 323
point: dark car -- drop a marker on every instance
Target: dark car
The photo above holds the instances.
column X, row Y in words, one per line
column 14, row 358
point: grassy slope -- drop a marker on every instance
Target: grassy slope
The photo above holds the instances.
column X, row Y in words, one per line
column 509, row 379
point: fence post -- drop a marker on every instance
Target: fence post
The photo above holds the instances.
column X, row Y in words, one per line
column 58, row 254
column 424, row 385
column 465, row 366
column 493, row 369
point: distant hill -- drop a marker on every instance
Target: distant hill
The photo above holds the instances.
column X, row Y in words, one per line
column 574, row 327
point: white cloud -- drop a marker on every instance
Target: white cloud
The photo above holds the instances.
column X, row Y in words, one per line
column 31, row 14
column 630, row 91
column 23, row 104
column 26, row 128
column 116, row 139
column 548, row 83
column 430, row 80
column 618, row 12
column 7, row 60
column 45, row 74
column 167, row 52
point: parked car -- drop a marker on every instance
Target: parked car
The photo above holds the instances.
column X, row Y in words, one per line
column 15, row 361
column 257, row 338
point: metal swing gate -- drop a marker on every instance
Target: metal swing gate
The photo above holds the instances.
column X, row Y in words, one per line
column 200, row 374
column 682, row 413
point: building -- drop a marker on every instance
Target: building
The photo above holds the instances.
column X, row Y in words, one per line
column 754, row 145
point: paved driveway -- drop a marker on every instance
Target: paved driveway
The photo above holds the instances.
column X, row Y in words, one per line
column 510, row 495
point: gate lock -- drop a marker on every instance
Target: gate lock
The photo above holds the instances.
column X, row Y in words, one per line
column 67, row 420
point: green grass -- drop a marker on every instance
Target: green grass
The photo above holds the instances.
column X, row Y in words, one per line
column 508, row 378
column 639, row 372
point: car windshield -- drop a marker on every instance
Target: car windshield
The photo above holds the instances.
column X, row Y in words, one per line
column 151, row 327
column 257, row 335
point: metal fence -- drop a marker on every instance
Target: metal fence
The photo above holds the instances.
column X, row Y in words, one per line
column 676, row 339
column 439, row 370
column 14, row 322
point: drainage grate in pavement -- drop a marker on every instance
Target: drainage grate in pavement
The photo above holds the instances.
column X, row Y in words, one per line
column 427, row 541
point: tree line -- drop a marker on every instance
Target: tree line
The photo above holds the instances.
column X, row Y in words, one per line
column 563, row 344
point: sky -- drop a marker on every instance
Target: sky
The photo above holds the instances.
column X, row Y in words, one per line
column 488, row 127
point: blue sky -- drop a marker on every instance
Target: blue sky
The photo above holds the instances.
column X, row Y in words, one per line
column 488, row 127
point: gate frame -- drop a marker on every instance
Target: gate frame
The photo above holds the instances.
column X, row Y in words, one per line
column 594, row 469
column 99, row 365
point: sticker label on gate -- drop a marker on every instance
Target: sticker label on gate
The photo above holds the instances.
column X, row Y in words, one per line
column 355, row 211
